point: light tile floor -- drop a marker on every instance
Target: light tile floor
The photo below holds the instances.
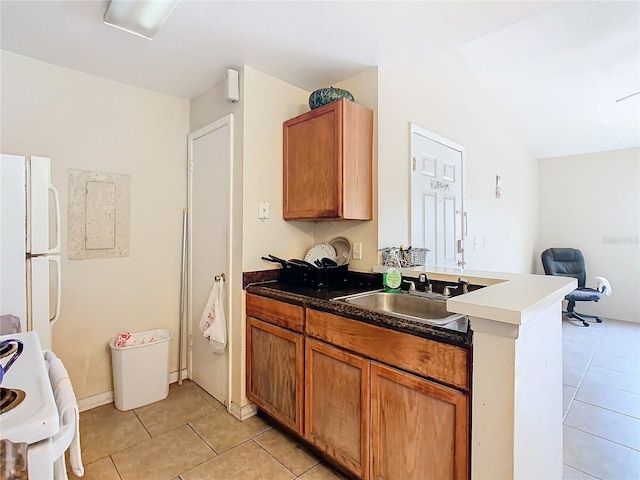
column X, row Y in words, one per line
column 601, row 393
column 190, row 436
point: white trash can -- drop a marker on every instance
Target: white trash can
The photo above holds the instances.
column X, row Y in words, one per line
column 141, row 369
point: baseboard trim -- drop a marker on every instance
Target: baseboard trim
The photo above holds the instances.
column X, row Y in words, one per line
column 242, row 413
column 107, row 397
column 173, row 376
column 95, row 401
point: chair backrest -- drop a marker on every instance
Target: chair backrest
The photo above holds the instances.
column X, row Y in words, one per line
column 566, row 262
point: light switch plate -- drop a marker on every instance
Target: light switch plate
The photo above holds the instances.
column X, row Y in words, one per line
column 263, row 210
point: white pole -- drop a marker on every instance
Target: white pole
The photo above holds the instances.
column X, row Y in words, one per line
column 182, row 291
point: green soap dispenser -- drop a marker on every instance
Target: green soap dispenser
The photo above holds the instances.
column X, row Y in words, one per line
column 392, row 277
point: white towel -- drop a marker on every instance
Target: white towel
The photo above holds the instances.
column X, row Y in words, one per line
column 212, row 322
column 603, row 283
column 69, row 418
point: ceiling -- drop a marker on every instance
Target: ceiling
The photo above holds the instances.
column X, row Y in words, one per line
column 554, row 68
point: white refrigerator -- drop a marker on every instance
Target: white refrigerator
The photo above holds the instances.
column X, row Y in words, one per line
column 30, row 279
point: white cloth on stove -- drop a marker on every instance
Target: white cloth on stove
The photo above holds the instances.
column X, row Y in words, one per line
column 69, row 418
column 212, row 322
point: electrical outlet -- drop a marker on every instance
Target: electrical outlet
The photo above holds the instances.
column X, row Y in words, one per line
column 357, row 251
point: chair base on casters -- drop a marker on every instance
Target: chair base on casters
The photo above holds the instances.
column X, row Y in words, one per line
column 581, row 317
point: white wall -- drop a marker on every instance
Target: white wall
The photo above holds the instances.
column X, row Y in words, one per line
column 84, row 122
column 592, row 202
column 268, row 103
column 442, row 95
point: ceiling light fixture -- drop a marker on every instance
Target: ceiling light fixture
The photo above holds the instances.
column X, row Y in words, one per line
column 140, row 17
column 628, row 96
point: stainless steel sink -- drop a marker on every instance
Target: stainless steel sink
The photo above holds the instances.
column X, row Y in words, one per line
column 418, row 308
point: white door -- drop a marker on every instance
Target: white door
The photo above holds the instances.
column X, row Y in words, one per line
column 436, row 197
column 210, row 158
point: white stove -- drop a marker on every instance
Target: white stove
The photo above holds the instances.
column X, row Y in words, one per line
column 35, row 420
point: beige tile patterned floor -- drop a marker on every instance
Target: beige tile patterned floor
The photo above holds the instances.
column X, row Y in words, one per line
column 601, row 365
column 190, row 436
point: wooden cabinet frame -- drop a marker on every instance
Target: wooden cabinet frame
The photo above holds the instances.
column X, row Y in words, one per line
column 328, row 163
column 338, row 398
column 298, row 387
column 452, row 453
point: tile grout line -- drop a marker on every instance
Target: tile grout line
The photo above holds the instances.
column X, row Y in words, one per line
column 143, row 425
column 205, row 442
column 203, row 439
column 115, row 467
column 605, row 408
column 276, row 459
column 603, row 438
column 586, row 368
column 586, row 473
column 593, row 351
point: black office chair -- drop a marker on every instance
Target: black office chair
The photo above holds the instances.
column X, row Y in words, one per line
column 569, row 262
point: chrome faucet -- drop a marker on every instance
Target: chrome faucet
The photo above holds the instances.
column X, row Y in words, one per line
column 412, row 285
column 463, row 283
column 447, row 290
column 462, row 287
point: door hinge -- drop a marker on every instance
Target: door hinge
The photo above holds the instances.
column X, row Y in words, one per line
column 414, row 164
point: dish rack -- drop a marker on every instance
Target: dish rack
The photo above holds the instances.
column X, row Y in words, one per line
column 408, row 256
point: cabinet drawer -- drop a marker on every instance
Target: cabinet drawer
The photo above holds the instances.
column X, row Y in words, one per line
column 440, row 361
column 276, row 312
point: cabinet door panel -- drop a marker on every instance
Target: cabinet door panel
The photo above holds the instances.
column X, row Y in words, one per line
column 275, row 359
column 312, row 170
column 337, row 405
column 419, row 428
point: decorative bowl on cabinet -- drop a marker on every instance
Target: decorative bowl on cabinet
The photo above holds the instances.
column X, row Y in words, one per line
column 327, row 95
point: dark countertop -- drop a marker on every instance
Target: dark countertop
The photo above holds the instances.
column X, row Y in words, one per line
column 320, row 299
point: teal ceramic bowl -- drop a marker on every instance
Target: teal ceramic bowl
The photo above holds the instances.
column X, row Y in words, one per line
column 327, row 95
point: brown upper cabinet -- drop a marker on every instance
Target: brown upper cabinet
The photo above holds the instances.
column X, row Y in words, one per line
column 328, row 163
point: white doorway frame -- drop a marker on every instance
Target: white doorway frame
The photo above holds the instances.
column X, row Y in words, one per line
column 220, row 123
column 413, row 128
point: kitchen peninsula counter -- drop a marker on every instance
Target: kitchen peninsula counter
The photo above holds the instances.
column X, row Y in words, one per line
column 517, row 370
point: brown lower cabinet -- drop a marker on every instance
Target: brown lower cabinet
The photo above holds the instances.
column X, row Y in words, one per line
column 275, row 359
column 327, row 382
column 337, row 405
column 419, row 429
